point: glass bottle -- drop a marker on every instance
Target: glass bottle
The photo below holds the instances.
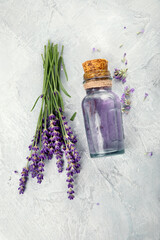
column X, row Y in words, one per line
column 101, row 110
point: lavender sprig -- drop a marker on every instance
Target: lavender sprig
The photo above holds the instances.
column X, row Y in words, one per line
column 95, row 50
column 126, row 99
column 73, row 167
column 140, row 32
column 56, row 141
column 150, row 154
column 120, row 74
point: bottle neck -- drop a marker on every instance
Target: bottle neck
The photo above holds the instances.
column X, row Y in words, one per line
column 100, row 82
column 99, row 89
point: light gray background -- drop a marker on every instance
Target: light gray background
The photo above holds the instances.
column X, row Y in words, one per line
column 126, row 187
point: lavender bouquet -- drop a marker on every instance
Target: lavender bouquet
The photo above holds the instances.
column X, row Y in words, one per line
column 53, row 136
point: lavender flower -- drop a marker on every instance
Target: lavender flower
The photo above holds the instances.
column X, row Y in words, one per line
column 45, row 141
column 35, row 148
column 69, row 132
column 39, row 177
column 120, row 74
column 40, row 169
column 41, row 166
column 125, row 99
column 34, row 164
column 140, row 32
column 95, row 50
column 37, row 158
column 150, row 154
column 128, row 91
column 23, row 180
column 124, row 59
column 73, row 166
column 145, row 96
column 56, row 141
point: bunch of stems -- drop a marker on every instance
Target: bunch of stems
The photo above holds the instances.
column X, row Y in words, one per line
column 51, row 114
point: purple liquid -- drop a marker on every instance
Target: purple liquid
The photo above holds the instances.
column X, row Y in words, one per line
column 103, row 122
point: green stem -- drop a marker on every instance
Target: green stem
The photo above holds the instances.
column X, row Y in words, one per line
column 52, row 99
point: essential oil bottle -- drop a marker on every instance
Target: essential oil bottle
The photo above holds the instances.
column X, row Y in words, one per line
column 101, row 110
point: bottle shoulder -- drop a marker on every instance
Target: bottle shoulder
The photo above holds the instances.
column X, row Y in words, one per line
column 107, row 97
column 101, row 95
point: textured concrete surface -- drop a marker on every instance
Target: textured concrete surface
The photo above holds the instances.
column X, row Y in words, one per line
column 117, row 198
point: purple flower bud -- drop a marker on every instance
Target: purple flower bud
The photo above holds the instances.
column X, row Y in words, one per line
column 30, row 147
column 60, row 109
column 70, row 185
column 145, row 96
column 41, row 166
column 70, row 180
column 123, row 80
column 28, row 158
column 70, row 191
column 63, row 117
column 150, row 154
column 69, row 173
column 35, row 148
column 39, row 177
column 128, row 107
column 51, row 116
column 71, row 197
column 125, row 99
column 45, row 131
column 132, row 90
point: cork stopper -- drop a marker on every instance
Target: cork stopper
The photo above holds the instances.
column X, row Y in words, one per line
column 95, row 64
column 96, row 73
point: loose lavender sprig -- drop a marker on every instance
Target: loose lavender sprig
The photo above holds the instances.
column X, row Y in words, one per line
column 150, row 154
column 95, row 50
column 145, row 96
column 124, row 58
column 120, row 74
column 125, row 99
column 140, row 32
